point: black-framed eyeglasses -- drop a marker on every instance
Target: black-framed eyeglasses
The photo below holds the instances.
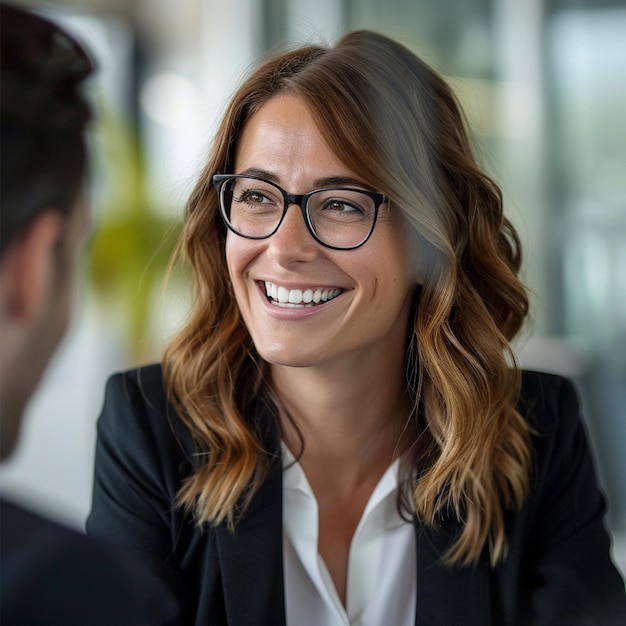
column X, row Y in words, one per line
column 341, row 218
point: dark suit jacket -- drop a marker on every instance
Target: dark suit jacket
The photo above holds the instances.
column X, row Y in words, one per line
column 52, row 575
column 558, row 569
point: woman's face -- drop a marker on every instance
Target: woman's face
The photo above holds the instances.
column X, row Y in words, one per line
column 365, row 293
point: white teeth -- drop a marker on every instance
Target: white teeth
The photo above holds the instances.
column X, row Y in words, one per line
column 295, row 296
column 298, row 297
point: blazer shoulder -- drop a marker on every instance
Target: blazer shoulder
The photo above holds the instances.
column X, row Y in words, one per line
column 147, row 381
column 546, row 398
column 141, row 391
column 136, row 404
column 538, row 382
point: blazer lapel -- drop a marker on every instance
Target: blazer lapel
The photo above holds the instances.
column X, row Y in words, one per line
column 251, row 560
column 251, row 557
column 447, row 596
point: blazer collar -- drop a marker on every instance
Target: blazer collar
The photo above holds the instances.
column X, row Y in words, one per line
column 251, row 556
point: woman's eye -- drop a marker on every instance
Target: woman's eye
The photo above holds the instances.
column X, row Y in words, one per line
column 253, row 197
column 342, row 206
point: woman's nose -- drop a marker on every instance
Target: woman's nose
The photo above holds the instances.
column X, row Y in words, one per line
column 292, row 241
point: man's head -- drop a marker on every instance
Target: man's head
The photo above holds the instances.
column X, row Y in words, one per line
column 43, row 214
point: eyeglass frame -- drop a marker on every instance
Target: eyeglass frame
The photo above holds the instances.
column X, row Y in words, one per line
column 302, row 201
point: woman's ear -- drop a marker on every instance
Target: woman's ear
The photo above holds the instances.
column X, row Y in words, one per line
column 29, row 267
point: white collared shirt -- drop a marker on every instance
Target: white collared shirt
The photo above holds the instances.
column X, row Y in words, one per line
column 381, row 585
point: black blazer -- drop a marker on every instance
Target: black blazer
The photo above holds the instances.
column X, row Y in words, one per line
column 558, row 569
column 52, row 575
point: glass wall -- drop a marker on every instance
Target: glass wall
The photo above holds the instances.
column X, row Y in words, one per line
column 586, row 57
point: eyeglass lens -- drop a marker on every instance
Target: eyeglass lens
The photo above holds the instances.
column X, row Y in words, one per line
column 340, row 218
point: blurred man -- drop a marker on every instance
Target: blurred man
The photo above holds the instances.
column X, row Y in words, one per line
column 49, row 574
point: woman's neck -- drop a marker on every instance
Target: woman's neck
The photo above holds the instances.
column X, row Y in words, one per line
column 352, row 422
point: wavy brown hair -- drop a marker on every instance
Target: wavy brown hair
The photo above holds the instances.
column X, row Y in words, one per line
column 393, row 120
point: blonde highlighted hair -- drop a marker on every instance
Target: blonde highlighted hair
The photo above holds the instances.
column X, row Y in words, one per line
column 393, row 120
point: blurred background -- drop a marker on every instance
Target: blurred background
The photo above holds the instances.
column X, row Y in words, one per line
column 544, row 85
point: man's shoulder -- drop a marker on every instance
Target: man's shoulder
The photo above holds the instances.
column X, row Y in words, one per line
column 31, row 542
column 47, row 568
column 20, row 524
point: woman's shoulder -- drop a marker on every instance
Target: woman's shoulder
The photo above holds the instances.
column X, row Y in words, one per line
column 140, row 389
column 542, row 382
column 136, row 404
column 546, row 398
column 550, row 404
column 147, row 379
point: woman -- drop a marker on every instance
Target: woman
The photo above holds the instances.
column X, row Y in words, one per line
column 339, row 434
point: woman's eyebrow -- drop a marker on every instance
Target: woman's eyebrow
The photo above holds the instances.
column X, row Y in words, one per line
column 340, row 181
column 259, row 173
column 326, row 181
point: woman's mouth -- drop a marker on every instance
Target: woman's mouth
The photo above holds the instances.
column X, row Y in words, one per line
column 281, row 296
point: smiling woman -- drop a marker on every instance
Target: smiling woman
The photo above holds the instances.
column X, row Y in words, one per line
column 340, row 433
column 364, row 322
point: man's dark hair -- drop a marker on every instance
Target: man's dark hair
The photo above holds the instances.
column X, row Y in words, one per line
column 44, row 115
